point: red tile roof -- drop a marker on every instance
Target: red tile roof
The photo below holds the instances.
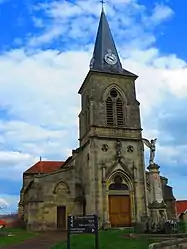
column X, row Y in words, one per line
column 181, row 206
column 45, row 167
column 2, row 223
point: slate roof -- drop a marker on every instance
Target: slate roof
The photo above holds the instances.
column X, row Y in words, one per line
column 44, row 167
column 168, row 193
column 103, row 44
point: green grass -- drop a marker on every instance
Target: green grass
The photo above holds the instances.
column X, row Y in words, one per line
column 182, row 227
column 112, row 239
column 19, row 236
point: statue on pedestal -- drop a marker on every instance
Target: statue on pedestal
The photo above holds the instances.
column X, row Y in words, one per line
column 152, row 146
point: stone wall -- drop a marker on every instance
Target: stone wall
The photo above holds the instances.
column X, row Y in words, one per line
column 94, row 93
column 97, row 87
column 131, row 165
column 44, row 196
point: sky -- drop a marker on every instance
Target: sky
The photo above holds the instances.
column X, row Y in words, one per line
column 45, row 49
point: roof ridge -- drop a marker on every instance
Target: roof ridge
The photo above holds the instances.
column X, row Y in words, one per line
column 50, row 161
column 47, row 166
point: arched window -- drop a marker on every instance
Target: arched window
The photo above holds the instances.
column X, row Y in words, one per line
column 118, row 184
column 61, row 187
column 114, row 109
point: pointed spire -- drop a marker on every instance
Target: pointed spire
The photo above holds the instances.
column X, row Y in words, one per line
column 102, row 2
column 105, row 56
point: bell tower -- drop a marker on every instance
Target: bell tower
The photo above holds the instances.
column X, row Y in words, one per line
column 108, row 93
column 110, row 134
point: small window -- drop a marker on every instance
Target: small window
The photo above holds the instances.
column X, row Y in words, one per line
column 118, row 184
column 113, row 93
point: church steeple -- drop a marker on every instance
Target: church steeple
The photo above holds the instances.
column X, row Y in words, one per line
column 105, row 56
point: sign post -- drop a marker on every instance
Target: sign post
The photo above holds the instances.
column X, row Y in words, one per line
column 81, row 225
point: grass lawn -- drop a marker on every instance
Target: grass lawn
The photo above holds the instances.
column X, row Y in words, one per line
column 19, row 236
column 112, row 239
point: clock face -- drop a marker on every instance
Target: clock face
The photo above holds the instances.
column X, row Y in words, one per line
column 110, row 59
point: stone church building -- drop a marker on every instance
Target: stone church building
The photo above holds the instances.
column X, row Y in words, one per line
column 106, row 174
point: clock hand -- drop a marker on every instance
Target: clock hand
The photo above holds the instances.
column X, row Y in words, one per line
column 111, row 58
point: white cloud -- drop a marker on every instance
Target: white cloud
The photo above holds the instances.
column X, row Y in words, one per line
column 67, row 20
column 3, row 203
column 44, row 105
column 160, row 13
column 14, row 163
column 177, row 81
column 8, row 203
column 17, row 129
column 52, row 80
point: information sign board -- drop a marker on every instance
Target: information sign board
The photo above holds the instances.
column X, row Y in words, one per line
column 82, row 224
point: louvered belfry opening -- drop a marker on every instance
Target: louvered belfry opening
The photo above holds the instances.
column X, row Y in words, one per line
column 119, row 112
column 110, row 113
column 114, row 109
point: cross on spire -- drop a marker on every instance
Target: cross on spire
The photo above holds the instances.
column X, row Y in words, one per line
column 102, row 2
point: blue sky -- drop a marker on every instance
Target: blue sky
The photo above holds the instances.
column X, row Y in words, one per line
column 45, row 48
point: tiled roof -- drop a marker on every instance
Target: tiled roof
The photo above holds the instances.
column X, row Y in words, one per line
column 45, row 167
column 2, row 223
column 181, row 206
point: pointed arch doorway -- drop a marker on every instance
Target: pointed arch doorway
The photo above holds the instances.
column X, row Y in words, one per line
column 119, row 204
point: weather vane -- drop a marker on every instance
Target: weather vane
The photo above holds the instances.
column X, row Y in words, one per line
column 102, row 2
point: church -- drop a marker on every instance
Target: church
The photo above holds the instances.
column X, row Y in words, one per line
column 106, row 175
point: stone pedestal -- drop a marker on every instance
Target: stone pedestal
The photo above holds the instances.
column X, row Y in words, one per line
column 158, row 216
column 157, row 207
column 155, row 184
column 157, row 211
